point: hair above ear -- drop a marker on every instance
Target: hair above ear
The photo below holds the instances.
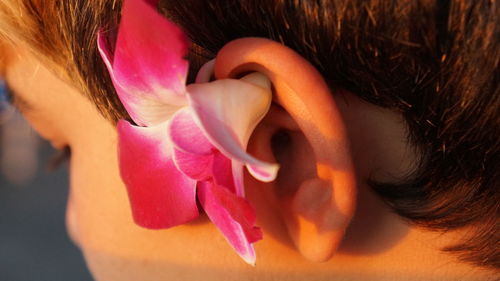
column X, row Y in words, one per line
column 316, row 188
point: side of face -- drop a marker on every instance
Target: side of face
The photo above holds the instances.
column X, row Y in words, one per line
column 99, row 218
column 98, row 214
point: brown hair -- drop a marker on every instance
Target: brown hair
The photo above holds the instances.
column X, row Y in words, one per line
column 435, row 62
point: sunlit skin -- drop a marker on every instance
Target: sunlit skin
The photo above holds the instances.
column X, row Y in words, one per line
column 376, row 246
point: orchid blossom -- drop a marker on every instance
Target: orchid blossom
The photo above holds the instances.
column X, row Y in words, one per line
column 188, row 143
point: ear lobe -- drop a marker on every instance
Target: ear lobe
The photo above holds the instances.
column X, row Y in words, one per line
column 313, row 220
column 317, row 170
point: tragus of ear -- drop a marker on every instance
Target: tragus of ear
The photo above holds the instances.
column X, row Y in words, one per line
column 315, row 191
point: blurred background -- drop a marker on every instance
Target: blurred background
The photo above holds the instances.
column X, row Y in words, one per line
column 34, row 245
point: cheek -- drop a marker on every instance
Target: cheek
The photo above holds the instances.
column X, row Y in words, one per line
column 100, row 220
column 98, row 202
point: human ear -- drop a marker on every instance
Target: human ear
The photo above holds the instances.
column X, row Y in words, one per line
column 315, row 193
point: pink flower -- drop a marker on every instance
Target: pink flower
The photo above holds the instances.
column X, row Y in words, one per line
column 189, row 142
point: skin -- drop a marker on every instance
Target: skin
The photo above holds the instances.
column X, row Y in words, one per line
column 377, row 245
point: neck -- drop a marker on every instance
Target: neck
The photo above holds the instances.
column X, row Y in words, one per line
column 390, row 249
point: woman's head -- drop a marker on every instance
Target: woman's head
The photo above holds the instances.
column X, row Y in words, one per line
column 416, row 85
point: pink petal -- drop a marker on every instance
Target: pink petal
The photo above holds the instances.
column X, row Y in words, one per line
column 238, row 176
column 234, row 217
column 187, row 136
column 198, row 167
column 151, row 111
column 228, row 111
column 195, row 156
column 160, row 195
column 222, row 172
column 150, row 50
column 148, row 68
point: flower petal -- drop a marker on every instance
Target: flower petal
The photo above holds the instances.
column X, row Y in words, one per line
column 198, row 167
column 187, row 136
column 147, row 67
column 234, row 217
column 195, row 156
column 238, row 176
column 228, row 111
column 160, row 195
column 222, row 173
column 144, row 111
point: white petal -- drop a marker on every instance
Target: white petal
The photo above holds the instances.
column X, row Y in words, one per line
column 228, row 111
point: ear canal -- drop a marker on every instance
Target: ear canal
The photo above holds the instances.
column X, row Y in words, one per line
column 313, row 221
